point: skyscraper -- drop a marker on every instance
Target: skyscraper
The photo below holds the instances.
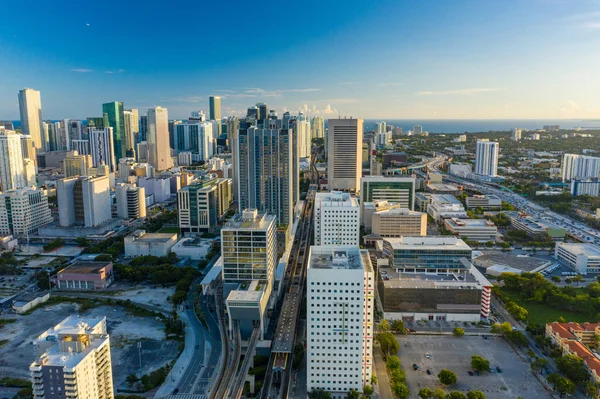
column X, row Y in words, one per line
column 76, row 165
column 579, row 166
column 317, row 125
column 233, row 126
column 73, row 360
column 101, row 148
column 131, row 128
column 84, row 201
column 417, row 130
column 265, row 171
column 143, row 128
column 131, row 201
column 302, row 130
column 194, row 137
column 214, row 104
column 486, row 157
column 159, row 150
column 30, row 107
column 116, row 120
column 516, row 134
column 344, row 148
column 12, row 173
column 201, row 204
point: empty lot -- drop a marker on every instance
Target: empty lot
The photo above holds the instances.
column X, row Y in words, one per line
column 448, row 352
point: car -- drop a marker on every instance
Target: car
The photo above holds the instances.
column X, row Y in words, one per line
column 428, row 372
column 415, row 366
column 477, row 372
column 498, row 369
column 484, row 336
column 491, row 370
column 471, row 373
column 428, row 355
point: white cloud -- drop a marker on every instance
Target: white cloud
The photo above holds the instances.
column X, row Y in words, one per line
column 586, row 21
column 348, row 83
column 343, row 100
column 390, row 84
column 81, row 70
column 571, row 107
column 459, row 92
column 113, row 72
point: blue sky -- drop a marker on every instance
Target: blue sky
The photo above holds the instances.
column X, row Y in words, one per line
column 368, row 58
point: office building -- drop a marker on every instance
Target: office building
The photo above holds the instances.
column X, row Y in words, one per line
column 398, row 190
column 317, row 125
column 12, row 173
column 76, row 165
column 265, row 172
column 84, row 201
column 486, row 157
column 73, row 361
column 516, row 134
column 461, row 296
column 339, row 325
column 102, row 148
column 81, row 146
column 445, row 206
column 98, row 122
column 441, row 188
column 233, row 127
column 472, row 229
column 535, row 228
column 214, row 104
column 344, row 159
column 158, row 187
column 584, row 258
column 249, row 247
column 132, row 127
column 589, row 187
column 399, row 222
column 131, row 201
column 579, row 167
column 7, row 125
column 336, row 219
column 302, row 131
column 194, row 137
column 23, row 211
column 140, row 243
column 440, row 254
column 28, row 148
column 488, row 202
column 159, row 150
column 380, row 127
column 116, row 120
column 85, row 276
column 30, row 107
column 202, row 204
column 29, row 172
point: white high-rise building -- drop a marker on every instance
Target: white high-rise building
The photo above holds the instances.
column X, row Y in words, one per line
column 195, row 137
column 381, row 127
column 23, row 211
column 486, row 157
column 302, row 130
column 132, row 127
column 580, row 167
column 29, row 172
column 131, row 201
column 84, row 201
column 317, row 126
column 73, row 361
column 30, row 107
column 516, row 134
column 344, row 149
column 12, row 173
column 159, row 149
column 336, row 219
column 101, row 147
column 417, row 130
column 76, row 165
column 340, row 290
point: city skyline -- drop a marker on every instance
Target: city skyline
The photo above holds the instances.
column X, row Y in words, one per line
column 433, row 61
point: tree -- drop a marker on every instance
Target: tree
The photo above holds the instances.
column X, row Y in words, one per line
column 561, row 384
column 517, row 338
column 503, row 328
column 475, row 395
column 539, row 363
column 578, row 279
column 556, row 279
column 573, row 368
column 398, row 327
column 393, row 363
column 592, row 389
column 458, row 332
column 389, row 344
column 425, row 393
column 25, row 393
column 353, row 394
column 400, row 390
column 383, row 326
column 596, row 340
column 447, row 377
column 373, row 379
column 439, row 393
column 456, row 395
column 368, row 391
column 132, row 379
column 480, row 363
column 319, row 394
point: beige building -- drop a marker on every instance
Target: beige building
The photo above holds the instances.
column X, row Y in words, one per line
column 73, row 361
column 472, row 229
column 140, row 243
column 159, row 148
column 344, row 154
column 76, row 165
column 399, row 222
column 30, row 106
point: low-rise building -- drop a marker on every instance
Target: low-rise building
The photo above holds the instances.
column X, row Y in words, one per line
column 445, row 206
column 589, row 187
column 489, row 202
column 84, row 276
column 140, row 243
column 536, row 228
column 584, row 258
column 370, row 208
column 27, row 301
column 247, row 306
column 481, row 230
column 440, row 188
column 459, row 296
column 399, row 222
column 194, row 248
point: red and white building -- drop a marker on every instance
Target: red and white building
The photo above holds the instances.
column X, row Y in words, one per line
column 84, row 276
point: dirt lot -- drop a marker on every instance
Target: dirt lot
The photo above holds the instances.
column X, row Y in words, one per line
column 454, row 354
column 125, row 331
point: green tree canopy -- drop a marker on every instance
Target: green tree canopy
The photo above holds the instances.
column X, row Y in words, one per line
column 573, row 368
column 447, row 377
column 480, row 363
column 458, row 332
column 475, row 395
column 319, row 394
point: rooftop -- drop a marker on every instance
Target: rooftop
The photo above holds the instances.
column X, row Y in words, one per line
column 430, row 242
column 84, row 267
column 399, row 211
column 252, row 293
column 335, row 257
column 336, row 198
column 581, row 248
column 249, row 219
column 141, row 235
column 441, row 187
column 75, row 325
column 454, row 222
column 54, row 357
column 467, row 279
column 489, row 196
column 523, row 263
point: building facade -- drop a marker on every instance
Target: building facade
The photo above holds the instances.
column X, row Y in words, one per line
column 131, row 201
column 30, row 107
column 472, row 229
column 84, row 201
column 159, row 149
column 398, row 190
column 584, row 258
column 486, row 157
column 116, row 120
column 12, row 172
column 23, row 211
column 344, row 149
column 438, row 254
column 102, row 148
column 579, row 166
column 336, row 219
column 399, row 222
column 201, row 204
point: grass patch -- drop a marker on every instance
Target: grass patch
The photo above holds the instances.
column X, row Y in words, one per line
column 15, row 382
column 542, row 313
column 3, row 342
column 169, row 230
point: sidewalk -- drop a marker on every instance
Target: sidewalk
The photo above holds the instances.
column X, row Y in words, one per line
column 383, row 389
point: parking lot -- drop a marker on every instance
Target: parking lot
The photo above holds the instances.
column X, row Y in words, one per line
column 452, row 353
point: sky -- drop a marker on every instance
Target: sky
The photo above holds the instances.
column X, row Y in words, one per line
column 374, row 59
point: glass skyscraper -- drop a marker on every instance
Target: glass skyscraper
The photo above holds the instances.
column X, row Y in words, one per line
column 116, row 120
